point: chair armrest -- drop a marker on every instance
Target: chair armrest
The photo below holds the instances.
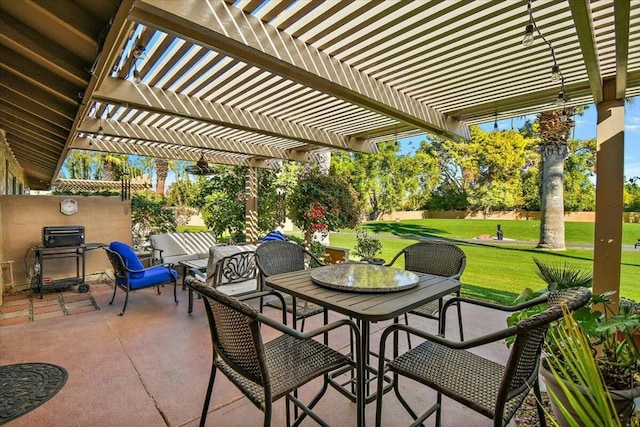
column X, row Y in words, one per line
column 261, row 294
column 169, row 266
column 495, row 306
column 198, row 274
column 153, row 253
column 487, row 304
column 390, row 263
column 309, row 335
column 314, row 258
column 463, row 345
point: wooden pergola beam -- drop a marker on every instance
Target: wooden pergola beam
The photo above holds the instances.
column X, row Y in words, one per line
column 151, row 99
column 228, row 30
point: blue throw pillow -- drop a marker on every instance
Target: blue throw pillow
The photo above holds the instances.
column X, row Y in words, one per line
column 274, row 235
column 129, row 257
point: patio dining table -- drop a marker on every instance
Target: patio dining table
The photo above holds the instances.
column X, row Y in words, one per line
column 350, row 289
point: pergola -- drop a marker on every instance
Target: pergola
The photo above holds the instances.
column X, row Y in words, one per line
column 248, row 82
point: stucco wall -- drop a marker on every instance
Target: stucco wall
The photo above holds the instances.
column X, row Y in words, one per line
column 8, row 164
column 104, row 218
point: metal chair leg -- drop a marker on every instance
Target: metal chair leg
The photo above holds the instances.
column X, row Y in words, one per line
column 126, row 300
column 536, row 392
column 175, row 295
column 115, row 286
column 267, row 413
column 406, row 322
column 459, row 317
column 205, row 408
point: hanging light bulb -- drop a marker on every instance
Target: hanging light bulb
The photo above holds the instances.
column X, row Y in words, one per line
column 136, row 76
column 495, row 123
column 555, row 73
column 138, row 52
column 100, row 132
column 560, row 99
column 528, row 35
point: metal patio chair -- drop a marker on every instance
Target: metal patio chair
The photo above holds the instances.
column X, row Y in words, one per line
column 234, row 275
column 266, row 372
column 485, row 386
column 130, row 275
column 277, row 257
column 441, row 259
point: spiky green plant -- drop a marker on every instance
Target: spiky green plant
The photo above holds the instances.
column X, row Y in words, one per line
column 574, row 367
column 563, row 275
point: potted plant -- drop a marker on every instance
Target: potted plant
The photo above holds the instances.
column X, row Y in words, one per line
column 609, row 337
column 573, row 359
column 367, row 247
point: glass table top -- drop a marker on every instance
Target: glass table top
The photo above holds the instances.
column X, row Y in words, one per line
column 364, row 278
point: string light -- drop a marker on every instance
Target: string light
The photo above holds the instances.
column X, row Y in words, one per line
column 528, row 31
column 495, row 123
column 556, row 74
column 528, row 36
column 136, row 75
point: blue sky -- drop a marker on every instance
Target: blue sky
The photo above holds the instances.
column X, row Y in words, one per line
column 585, row 129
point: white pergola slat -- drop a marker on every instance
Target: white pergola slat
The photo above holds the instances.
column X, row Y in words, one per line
column 285, row 79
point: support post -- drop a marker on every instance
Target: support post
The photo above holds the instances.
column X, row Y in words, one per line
column 251, row 205
column 607, row 252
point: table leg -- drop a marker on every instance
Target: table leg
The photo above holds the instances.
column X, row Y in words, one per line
column 361, row 368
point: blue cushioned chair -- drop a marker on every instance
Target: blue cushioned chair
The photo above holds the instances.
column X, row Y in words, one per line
column 131, row 275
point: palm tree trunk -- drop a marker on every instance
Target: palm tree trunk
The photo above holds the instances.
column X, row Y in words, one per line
column 552, row 197
column 162, row 169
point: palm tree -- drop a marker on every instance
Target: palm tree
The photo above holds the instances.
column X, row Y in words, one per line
column 554, row 132
column 112, row 166
column 162, row 169
column 78, row 164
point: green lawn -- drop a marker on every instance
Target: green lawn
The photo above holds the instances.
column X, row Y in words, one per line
column 575, row 232
column 500, row 272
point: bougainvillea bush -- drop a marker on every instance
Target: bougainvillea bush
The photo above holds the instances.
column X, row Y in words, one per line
column 320, row 203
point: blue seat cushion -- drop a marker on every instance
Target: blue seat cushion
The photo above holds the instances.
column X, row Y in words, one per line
column 152, row 277
column 129, row 257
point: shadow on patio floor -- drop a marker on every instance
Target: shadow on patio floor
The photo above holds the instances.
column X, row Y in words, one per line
column 150, row 367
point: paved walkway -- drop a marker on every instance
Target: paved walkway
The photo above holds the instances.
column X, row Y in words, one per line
column 23, row 307
column 491, row 241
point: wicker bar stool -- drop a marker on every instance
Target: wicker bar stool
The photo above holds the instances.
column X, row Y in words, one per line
column 277, row 257
column 487, row 387
column 441, row 259
column 266, row 372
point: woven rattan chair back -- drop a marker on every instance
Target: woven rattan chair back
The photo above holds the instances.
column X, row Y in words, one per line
column 522, row 367
column 276, row 257
column 236, row 336
column 435, row 257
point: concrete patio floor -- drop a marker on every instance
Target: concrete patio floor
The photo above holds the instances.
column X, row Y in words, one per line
column 151, row 367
